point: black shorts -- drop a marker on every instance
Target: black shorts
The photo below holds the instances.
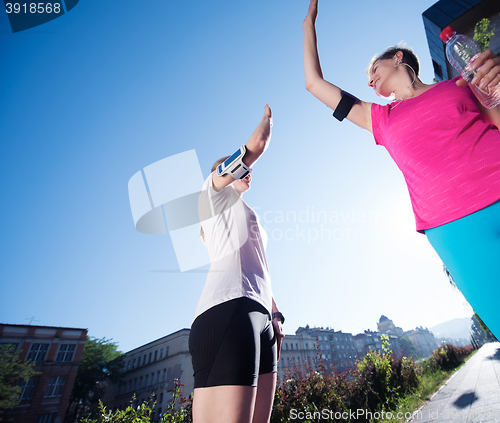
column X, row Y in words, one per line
column 232, row 344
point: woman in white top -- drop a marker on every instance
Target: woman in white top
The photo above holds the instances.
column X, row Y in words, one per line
column 236, row 335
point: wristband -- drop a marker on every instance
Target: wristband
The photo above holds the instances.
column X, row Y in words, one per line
column 280, row 316
column 345, row 105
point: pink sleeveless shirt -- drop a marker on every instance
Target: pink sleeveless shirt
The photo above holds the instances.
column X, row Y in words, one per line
column 448, row 153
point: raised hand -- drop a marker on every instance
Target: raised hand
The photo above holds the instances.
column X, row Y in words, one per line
column 312, row 14
column 263, row 131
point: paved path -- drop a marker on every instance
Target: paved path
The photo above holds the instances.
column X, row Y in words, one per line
column 471, row 395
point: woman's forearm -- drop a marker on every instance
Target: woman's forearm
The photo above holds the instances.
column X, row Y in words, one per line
column 312, row 66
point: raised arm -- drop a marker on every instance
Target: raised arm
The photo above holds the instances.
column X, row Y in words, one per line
column 255, row 147
column 323, row 90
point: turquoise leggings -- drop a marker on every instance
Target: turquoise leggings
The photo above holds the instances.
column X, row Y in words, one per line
column 470, row 249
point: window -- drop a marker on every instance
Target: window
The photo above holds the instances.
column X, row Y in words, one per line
column 291, row 347
column 150, row 355
column 146, row 380
column 133, row 363
column 166, row 351
column 296, row 346
column 138, row 361
column 156, row 355
column 140, row 383
column 37, row 352
column 144, row 360
column 161, row 353
column 27, row 388
column 152, row 378
column 164, row 376
column 12, row 345
column 46, row 418
column 307, row 345
column 157, row 376
column 66, row 353
column 128, row 365
column 55, row 386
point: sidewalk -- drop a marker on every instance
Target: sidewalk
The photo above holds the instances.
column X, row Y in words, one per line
column 471, row 395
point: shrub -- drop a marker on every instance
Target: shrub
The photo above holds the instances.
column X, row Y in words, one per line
column 378, row 382
column 447, row 357
column 179, row 410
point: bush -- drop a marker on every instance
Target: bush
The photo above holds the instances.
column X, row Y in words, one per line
column 447, row 357
column 179, row 410
column 378, row 382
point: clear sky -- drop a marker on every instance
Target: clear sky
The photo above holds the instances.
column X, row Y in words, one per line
column 92, row 97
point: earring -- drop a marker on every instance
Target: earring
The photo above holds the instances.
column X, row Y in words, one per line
column 397, row 62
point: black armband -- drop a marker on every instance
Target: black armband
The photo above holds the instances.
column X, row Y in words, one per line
column 345, row 105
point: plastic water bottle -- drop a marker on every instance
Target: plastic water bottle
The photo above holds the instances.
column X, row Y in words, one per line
column 461, row 52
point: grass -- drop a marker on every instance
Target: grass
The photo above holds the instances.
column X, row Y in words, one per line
column 430, row 382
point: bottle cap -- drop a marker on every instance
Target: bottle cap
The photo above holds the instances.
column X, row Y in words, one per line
column 446, row 34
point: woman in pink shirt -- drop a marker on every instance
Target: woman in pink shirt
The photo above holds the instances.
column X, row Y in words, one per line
column 448, row 148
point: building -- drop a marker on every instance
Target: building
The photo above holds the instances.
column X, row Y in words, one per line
column 296, row 350
column 462, row 16
column 57, row 352
column 152, row 369
column 336, row 348
column 386, row 325
column 423, row 340
column 366, row 342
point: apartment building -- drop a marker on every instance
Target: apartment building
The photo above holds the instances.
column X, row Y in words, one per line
column 152, row 369
column 57, row 352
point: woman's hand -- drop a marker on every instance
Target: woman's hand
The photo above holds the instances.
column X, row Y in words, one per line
column 312, row 14
column 278, row 332
column 263, row 130
column 259, row 140
column 487, row 65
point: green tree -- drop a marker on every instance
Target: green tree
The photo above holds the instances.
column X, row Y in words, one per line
column 408, row 348
column 482, row 35
column 12, row 371
column 101, row 364
column 479, row 331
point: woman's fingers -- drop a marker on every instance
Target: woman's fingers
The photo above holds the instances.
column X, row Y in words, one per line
column 487, row 65
column 312, row 12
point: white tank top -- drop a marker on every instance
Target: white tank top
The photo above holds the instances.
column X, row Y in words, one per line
column 236, row 245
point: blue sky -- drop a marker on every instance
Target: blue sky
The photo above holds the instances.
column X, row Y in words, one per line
column 98, row 94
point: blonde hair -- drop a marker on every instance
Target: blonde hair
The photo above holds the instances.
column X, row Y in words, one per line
column 217, row 163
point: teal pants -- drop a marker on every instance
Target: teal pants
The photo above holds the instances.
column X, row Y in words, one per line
column 470, row 249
